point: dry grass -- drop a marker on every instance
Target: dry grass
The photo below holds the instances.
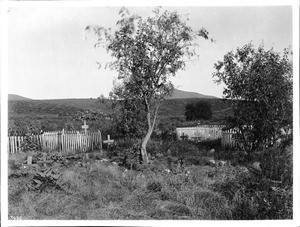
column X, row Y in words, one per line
column 103, row 191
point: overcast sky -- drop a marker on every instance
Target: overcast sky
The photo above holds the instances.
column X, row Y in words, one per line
column 51, row 56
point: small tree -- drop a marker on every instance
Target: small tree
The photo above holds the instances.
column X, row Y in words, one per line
column 147, row 53
column 200, row 110
column 261, row 83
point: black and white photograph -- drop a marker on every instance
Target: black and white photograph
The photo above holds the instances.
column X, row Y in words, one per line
column 149, row 113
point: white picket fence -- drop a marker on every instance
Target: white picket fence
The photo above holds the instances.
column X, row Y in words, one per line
column 200, row 132
column 209, row 132
column 65, row 141
column 229, row 138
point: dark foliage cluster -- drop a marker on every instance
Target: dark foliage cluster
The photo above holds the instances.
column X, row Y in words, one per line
column 200, row 110
column 257, row 197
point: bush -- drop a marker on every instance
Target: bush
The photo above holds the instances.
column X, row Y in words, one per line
column 154, row 147
column 166, row 130
column 30, row 143
column 236, row 157
column 256, row 197
column 126, row 153
column 262, row 205
column 198, row 110
column 126, row 143
column 210, row 144
column 277, row 164
column 182, row 148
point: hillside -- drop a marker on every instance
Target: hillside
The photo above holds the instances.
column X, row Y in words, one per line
column 179, row 94
column 35, row 107
column 66, row 107
column 52, row 115
column 56, row 114
column 174, row 105
column 92, row 104
column 13, row 97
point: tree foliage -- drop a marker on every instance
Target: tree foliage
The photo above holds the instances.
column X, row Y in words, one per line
column 200, row 110
column 129, row 119
column 146, row 54
column 261, row 82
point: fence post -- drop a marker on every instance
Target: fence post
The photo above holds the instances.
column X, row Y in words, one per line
column 100, row 140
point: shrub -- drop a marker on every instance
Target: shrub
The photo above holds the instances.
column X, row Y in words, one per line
column 236, row 157
column 262, row 205
column 126, row 142
column 198, row 110
column 153, row 147
column 127, row 153
column 130, row 158
column 277, row 164
column 256, row 197
column 166, row 130
column 182, row 148
column 210, row 144
column 30, row 143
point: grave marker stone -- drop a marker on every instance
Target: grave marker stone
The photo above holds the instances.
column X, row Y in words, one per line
column 29, row 160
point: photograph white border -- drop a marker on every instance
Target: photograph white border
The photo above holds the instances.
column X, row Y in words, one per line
column 4, row 74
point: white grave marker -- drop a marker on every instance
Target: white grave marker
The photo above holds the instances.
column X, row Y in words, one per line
column 85, row 126
column 108, row 141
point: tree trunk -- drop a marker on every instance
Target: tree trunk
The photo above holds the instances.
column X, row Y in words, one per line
column 144, row 144
column 149, row 133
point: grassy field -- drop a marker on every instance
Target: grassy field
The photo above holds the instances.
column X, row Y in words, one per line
column 99, row 187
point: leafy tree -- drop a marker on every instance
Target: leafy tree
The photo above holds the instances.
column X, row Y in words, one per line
column 128, row 118
column 261, row 82
column 147, row 53
column 200, row 110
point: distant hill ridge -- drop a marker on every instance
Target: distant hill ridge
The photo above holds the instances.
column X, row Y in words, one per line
column 177, row 94
column 17, row 98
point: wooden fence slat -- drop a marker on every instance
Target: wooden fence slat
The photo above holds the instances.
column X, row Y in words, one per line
column 228, row 138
